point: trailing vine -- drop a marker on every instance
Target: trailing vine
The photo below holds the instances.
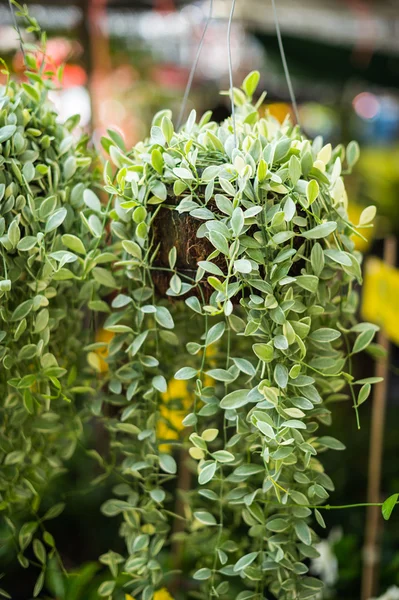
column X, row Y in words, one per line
column 44, row 176
column 273, row 284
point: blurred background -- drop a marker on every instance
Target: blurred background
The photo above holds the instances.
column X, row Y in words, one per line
column 126, row 59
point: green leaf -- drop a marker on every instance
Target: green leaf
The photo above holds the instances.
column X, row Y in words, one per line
column 132, row 248
column 26, row 533
column 183, row 173
column 194, row 304
column 215, row 333
column 205, row 517
column 319, row 518
column 209, row 174
column 219, row 242
column 104, row 277
column 54, row 511
column 367, row 215
column 320, row 231
column 207, row 473
column 70, row 167
column 242, row 265
column 164, row 318
column 264, row 352
column 117, row 139
column 22, row 310
column 388, row 506
column 73, row 243
column 312, row 191
column 106, row 588
column 186, row 373
column 32, row 92
column 237, row 221
column 303, row 532
column 159, row 383
column 223, row 456
column 281, row 375
column 294, row 170
column 167, row 463
column 370, row 380
column 114, row 507
column 221, row 375
column 55, row 220
column 158, row 495
column 330, row 442
column 202, row 574
column 325, row 335
column 308, row 282
column 363, row 340
column 6, row 132
column 42, row 320
column 342, row 258
column 277, row 525
column 352, row 153
column 235, row 400
column 283, row 236
column 245, row 561
column 27, row 243
column 38, row 585
column 294, row 424
column 210, row 267
column 280, row 342
column 245, row 366
column 39, row 551
column 289, row 205
column 92, row 201
column 250, row 83
column 167, row 128
column 364, row 393
column 157, row 160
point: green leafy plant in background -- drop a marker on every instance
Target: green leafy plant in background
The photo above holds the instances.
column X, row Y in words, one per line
column 274, row 292
column 44, row 176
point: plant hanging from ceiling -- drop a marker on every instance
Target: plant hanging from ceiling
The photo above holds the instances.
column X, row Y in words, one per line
column 236, row 277
column 224, row 274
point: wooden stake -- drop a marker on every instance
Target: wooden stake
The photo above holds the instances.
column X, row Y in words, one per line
column 371, row 549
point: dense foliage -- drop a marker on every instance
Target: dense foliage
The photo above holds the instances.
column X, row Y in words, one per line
column 221, row 281
column 44, row 174
column 274, row 303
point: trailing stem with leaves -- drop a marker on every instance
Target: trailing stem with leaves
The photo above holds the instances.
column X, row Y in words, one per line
column 245, row 222
column 45, row 172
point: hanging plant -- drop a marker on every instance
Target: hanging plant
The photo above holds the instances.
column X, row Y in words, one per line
column 223, row 273
column 44, row 193
column 237, row 278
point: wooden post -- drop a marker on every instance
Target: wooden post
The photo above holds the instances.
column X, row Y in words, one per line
column 98, row 52
column 371, row 549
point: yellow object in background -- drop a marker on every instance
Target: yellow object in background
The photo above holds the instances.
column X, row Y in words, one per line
column 161, row 594
column 176, row 402
column 97, row 359
column 380, row 303
column 279, row 110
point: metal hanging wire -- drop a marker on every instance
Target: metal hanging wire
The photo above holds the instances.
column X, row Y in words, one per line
column 194, row 67
column 285, row 65
column 230, row 66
